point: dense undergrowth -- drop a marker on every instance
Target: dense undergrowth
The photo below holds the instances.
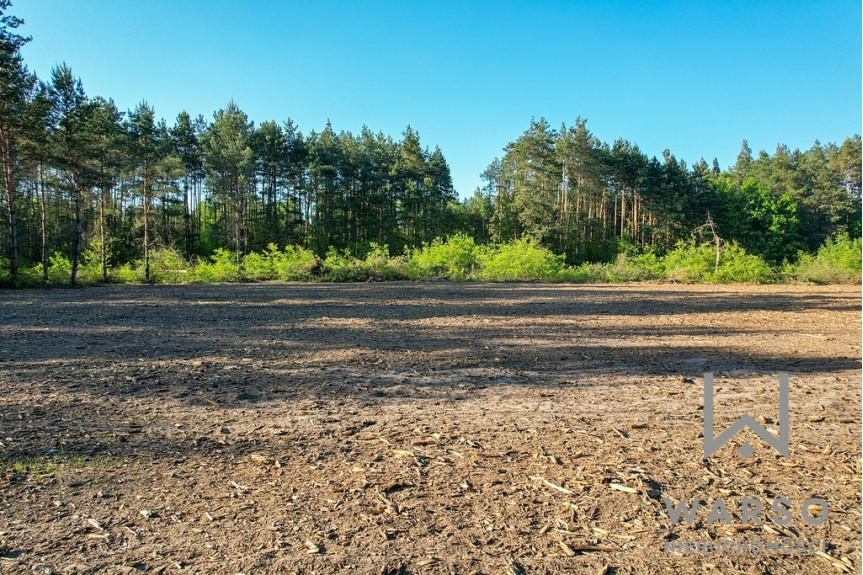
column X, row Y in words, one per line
column 459, row 258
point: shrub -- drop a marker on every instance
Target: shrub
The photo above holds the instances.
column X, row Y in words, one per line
column 90, row 268
column 221, row 268
column 519, row 260
column 167, row 266
column 343, row 267
column 125, row 274
column 585, row 273
column 631, row 267
column 59, row 269
column 380, row 264
column 258, row 267
column 294, row 263
column 736, row 266
column 837, row 261
column 455, row 258
column 696, row 263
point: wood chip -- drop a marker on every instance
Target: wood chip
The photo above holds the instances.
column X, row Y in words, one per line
column 263, row 459
column 552, row 485
column 837, row 564
column 623, row 488
column 566, row 549
column 95, row 524
column 312, row 549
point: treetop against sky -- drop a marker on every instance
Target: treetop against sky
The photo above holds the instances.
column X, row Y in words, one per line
column 467, row 76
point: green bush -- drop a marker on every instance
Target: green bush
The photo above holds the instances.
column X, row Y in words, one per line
column 585, row 273
column 167, row 267
column 384, row 266
column 696, row 263
column 634, row 268
column 294, row 263
column 222, row 267
column 125, row 274
column 343, row 267
column 90, row 268
column 736, row 266
column 839, row 260
column 519, row 260
column 258, row 267
column 59, row 269
column 455, row 258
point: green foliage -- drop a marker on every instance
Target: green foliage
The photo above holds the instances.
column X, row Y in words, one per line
column 736, row 266
column 697, row 263
column 59, row 269
column 634, row 268
column 584, row 273
column 91, row 264
column 293, row 263
column 222, row 267
column 455, row 258
column 169, row 267
column 519, row 260
column 837, row 261
column 383, row 266
column 125, row 274
column 770, row 223
column 343, row 267
column 258, row 267
column 27, row 276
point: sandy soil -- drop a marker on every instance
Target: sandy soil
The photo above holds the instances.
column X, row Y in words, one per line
column 419, row 427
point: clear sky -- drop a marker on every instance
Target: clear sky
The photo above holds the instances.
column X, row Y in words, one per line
column 694, row 77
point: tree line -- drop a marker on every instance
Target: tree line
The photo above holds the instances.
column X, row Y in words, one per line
column 85, row 180
column 82, row 177
column 584, row 199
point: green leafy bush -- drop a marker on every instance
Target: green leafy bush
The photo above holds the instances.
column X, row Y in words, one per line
column 634, row 268
column 258, row 267
column 125, row 274
column 384, row 266
column 343, row 267
column 294, row 263
column 736, row 266
column 519, row 260
column 455, row 258
column 839, row 260
column 59, row 269
column 585, row 273
column 697, row 263
column 167, row 266
column 222, row 267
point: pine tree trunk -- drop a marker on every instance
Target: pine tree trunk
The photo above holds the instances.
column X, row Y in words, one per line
column 146, row 231
column 43, row 208
column 102, row 253
column 187, row 219
column 79, row 231
column 11, row 200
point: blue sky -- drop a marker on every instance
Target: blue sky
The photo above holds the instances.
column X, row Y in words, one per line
column 694, row 77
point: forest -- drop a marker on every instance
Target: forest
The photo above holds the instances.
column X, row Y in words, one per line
column 87, row 186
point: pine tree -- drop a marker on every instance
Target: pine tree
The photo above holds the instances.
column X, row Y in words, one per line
column 72, row 143
column 16, row 86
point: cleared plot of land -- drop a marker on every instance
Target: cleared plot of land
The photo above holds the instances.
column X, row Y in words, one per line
column 417, row 428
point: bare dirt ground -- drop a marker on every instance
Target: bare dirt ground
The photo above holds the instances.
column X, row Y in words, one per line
column 419, row 427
